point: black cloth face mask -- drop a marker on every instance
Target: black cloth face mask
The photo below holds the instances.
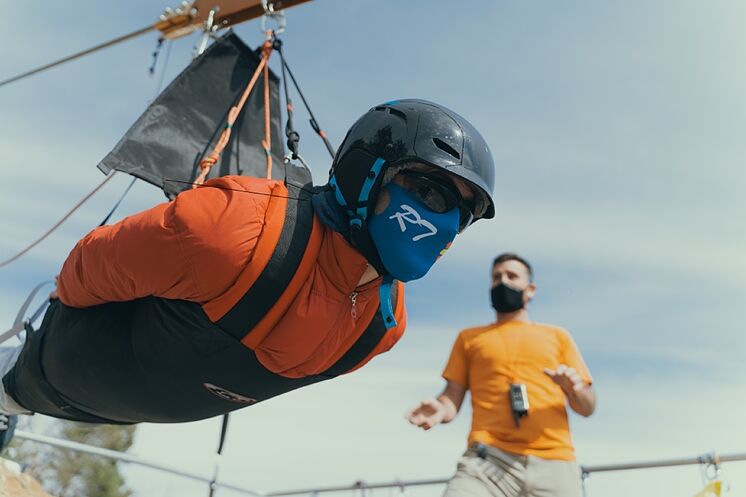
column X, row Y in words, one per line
column 506, row 299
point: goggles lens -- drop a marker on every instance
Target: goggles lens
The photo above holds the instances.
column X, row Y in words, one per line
column 439, row 194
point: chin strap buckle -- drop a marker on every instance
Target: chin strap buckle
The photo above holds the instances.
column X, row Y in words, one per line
column 387, row 309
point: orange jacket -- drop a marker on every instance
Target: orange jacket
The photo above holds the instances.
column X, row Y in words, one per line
column 208, row 246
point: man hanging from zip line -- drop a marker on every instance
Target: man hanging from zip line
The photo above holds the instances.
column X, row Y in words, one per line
column 247, row 288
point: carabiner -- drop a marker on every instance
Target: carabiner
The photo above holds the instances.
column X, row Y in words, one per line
column 278, row 16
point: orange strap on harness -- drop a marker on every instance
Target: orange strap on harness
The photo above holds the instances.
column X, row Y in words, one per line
column 212, row 158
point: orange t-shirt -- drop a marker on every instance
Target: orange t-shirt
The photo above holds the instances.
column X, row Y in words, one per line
column 486, row 360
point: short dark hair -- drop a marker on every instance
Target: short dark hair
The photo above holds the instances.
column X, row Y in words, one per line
column 512, row 256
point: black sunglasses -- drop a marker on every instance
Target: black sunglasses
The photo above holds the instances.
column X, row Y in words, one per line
column 439, row 194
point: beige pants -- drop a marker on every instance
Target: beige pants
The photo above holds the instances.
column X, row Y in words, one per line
column 501, row 474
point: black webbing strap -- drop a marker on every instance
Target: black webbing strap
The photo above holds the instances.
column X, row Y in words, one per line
column 277, row 45
column 223, row 433
column 118, row 202
column 279, row 271
column 293, row 138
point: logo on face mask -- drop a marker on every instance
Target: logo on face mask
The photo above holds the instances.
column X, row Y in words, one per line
column 408, row 236
column 410, row 215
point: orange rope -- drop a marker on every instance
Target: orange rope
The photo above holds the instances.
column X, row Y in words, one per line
column 267, row 143
column 207, row 162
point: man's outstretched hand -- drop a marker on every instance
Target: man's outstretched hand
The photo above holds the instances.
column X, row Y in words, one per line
column 579, row 394
column 429, row 413
column 567, row 378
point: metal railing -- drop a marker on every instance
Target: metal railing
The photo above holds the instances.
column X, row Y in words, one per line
column 708, row 460
column 132, row 459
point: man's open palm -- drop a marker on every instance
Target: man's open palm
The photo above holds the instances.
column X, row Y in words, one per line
column 429, row 413
column 567, row 378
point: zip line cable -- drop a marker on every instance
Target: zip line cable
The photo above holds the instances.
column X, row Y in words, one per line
column 108, row 177
column 59, row 223
column 78, row 55
column 156, row 53
column 165, row 67
column 277, row 45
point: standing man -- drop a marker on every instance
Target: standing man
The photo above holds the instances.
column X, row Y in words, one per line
column 521, row 375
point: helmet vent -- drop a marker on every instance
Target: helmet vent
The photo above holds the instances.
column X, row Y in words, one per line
column 446, row 148
column 389, row 110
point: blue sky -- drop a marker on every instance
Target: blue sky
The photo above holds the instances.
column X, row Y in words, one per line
column 617, row 129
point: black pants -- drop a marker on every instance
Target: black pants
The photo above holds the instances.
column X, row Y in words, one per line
column 147, row 360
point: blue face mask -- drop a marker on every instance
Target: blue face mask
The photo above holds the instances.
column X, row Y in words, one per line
column 409, row 236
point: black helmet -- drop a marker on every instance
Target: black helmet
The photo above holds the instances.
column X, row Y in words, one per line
column 401, row 131
column 413, row 130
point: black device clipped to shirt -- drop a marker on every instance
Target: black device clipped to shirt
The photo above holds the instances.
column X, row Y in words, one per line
column 518, row 402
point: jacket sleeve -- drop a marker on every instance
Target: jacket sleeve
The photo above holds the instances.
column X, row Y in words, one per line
column 191, row 249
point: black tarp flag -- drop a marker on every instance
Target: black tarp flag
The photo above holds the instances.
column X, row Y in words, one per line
column 167, row 142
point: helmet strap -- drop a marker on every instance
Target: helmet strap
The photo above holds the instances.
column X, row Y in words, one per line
column 359, row 236
column 387, row 308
